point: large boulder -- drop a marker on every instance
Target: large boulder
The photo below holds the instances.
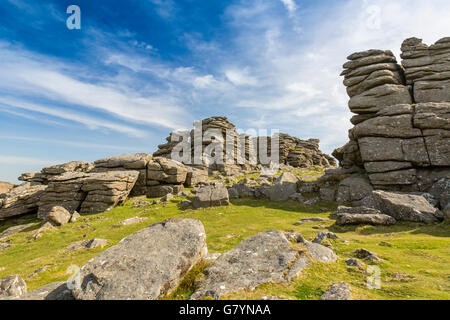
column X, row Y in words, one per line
column 58, row 216
column 284, row 186
column 12, row 286
column 146, row 265
column 265, row 257
column 406, row 207
column 356, row 219
column 353, row 188
column 211, row 196
column 240, row 191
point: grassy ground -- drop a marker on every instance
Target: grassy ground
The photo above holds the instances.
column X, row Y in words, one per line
column 419, row 252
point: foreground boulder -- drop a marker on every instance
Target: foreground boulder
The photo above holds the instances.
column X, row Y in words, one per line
column 12, row 286
column 58, row 216
column 211, row 196
column 406, row 207
column 146, row 265
column 265, row 257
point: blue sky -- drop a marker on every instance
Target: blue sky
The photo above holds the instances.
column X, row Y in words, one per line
column 139, row 69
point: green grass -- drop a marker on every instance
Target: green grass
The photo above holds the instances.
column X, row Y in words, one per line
column 420, row 251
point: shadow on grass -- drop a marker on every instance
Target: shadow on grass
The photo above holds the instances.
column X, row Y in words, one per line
column 435, row 229
column 289, row 205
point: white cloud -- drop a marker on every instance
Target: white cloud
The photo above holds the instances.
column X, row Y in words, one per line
column 241, row 77
column 26, row 161
column 290, row 5
column 88, row 121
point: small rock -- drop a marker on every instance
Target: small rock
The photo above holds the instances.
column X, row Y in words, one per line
column 306, row 220
column 339, row 291
column 185, row 193
column 12, row 286
column 321, row 236
column 35, row 273
column 75, row 216
column 45, row 227
column 354, row 263
column 13, row 230
column 88, row 244
column 5, row 245
column 141, row 204
column 133, row 221
column 168, row 197
column 156, row 201
column 320, row 253
column 297, row 197
column 185, row 203
column 312, row 201
column 366, row 254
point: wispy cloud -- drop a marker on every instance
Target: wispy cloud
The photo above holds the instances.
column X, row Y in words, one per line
column 4, row 159
column 290, row 5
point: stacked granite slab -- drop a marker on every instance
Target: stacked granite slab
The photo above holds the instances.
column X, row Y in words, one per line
column 87, row 192
column 47, row 173
column 427, row 68
column 127, row 162
column 20, row 200
column 401, row 137
column 165, row 176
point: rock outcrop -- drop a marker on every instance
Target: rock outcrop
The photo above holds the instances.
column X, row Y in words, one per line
column 292, row 151
column 87, row 192
column 20, row 200
column 146, row 265
column 12, row 286
column 401, row 135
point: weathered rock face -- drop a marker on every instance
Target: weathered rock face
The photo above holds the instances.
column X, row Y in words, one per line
column 146, row 265
column 211, row 196
column 87, row 192
column 127, row 162
column 406, row 207
column 265, row 257
column 428, row 69
column 401, row 138
column 20, row 200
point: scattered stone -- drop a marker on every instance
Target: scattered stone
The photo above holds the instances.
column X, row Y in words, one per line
column 297, row 197
column 146, row 265
column 366, row 255
column 322, row 236
column 312, row 201
column 313, row 219
column 35, row 273
column 12, row 286
column 168, row 197
column 44, row 227
column 294, row 236
column 339, row 291
column 141, row 204
column 354, row 263
column 87, row 244
column 5, row 245
column 133, row 220
column 185, row 203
